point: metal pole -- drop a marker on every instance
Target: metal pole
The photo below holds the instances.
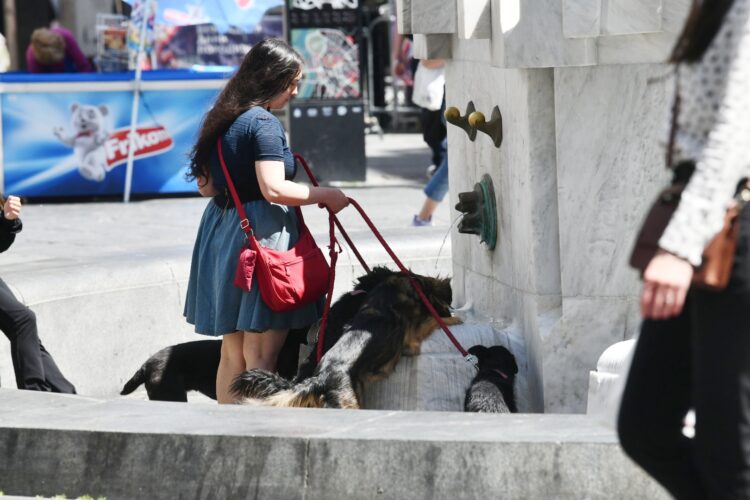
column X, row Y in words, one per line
column 136, row 100
column 372, row 108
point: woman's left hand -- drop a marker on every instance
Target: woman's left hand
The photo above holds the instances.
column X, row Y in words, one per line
column 12, row 208
column 666, row 281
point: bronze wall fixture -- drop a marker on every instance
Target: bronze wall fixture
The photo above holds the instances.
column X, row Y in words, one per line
column 453, row 116
column 493, row 128
column 475, row 120
column 480, row 212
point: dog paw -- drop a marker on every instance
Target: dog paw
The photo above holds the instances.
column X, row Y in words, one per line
column 452, row 320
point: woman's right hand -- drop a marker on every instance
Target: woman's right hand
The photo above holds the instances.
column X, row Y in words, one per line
column 666, row 281
column 335, row 200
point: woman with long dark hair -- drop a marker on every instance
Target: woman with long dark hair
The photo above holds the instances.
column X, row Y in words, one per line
column 261, row 166
column 694, row 346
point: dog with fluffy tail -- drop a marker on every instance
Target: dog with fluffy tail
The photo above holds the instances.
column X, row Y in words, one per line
column 391, row 321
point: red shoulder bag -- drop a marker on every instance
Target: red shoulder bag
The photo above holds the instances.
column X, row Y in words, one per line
column 287, row 279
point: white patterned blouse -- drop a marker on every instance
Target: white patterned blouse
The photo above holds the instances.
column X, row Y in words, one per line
column 714, row 131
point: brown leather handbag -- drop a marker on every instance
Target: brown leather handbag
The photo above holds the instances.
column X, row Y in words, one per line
column 718, row 256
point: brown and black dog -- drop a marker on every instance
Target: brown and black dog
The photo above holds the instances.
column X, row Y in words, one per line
column 390, row 321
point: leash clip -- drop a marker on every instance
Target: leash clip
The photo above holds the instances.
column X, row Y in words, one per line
column 470, row 358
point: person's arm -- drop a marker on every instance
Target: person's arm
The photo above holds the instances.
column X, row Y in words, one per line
column 276, row 189
column 10, row 224
column 74, row 51
column 268, row 144
column 719, row 167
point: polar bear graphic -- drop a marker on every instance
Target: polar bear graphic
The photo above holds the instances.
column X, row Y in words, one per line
column 87, row 140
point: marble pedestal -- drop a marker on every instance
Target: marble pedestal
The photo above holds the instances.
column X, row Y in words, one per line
column 607, row 382
column 585, row 102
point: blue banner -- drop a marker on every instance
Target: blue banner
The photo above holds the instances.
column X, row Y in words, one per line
column 58, row 144
column 243, row 14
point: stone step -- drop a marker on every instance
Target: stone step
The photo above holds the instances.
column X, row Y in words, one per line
column 139, row 449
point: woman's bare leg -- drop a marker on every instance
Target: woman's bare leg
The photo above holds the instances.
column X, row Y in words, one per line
column 261, row 350
column 232, row 363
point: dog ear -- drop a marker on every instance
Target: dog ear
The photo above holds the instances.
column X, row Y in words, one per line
column 73, row 107
column 505, row 356
column 514, row 365
column 478, row 350
column 372, row 279
column 104, row 110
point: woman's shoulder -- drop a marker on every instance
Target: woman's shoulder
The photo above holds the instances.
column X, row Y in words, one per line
column 256, row 119
column 258, row 114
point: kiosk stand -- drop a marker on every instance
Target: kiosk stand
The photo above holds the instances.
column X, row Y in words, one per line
column 327, row 118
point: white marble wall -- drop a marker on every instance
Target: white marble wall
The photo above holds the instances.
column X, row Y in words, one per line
column 585, row 104
column 520, row 279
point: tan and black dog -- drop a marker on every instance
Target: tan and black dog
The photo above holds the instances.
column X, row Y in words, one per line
column 391, row 320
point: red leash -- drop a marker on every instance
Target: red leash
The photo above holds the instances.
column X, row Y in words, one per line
column 349, row 242
column 414, row 282
column 334, row 255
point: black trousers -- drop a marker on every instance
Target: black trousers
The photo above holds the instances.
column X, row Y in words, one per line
column 32, row 364
column 700, row 360
column 433, row 133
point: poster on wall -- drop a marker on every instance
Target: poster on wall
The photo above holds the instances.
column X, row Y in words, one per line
column 245, row 15
column 81, row 146
column 331, row 64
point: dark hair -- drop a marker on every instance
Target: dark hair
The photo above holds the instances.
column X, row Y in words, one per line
column 703, row 22
column 266, row 71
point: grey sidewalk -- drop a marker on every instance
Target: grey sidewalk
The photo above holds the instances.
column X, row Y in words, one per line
column 61, row 234
column 107, row 280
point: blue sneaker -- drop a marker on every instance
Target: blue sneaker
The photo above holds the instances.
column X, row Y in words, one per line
column 417, row 222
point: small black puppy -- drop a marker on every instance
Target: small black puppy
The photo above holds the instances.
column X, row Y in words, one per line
column 491, row 390
column 191, row 366
column 172, row 372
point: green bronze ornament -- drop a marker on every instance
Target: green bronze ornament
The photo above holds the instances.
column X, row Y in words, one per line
column 480, row 212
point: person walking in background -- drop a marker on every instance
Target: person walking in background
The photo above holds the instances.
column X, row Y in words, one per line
column 255, row 149
column 429, row 95
column 694, row 345
column 435, row 191
column 55, row 50
column 33, row 366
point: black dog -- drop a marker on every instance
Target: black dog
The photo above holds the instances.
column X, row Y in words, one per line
column 491, row 390
column 191, row 366
column 391, row 320
column 172, row 372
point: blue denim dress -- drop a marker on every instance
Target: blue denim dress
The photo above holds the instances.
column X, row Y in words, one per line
column 213, row 303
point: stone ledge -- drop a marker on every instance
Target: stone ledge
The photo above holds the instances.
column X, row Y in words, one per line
column 117, row 310
column 136, row 449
